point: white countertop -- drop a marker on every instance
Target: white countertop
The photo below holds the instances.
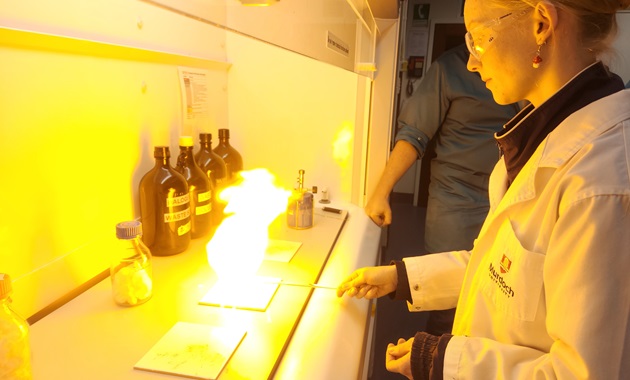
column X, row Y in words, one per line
column 328, row 337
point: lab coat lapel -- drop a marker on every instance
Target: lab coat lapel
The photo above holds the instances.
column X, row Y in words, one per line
column 521, row 190
column 570, row 136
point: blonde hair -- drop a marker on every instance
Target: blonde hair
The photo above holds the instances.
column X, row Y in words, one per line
column 597, row 20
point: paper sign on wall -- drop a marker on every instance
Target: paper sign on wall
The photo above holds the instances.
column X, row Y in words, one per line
column 194, row 89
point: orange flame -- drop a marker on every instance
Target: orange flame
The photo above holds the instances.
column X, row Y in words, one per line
column 342, row 146
column 238, row 246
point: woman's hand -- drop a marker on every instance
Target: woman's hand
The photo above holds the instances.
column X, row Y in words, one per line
column 398, row 357
column 369, row 282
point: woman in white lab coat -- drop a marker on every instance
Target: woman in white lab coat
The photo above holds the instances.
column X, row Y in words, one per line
column 545, row 292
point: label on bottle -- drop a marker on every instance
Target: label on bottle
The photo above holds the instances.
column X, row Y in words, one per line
column 177, row 216
column 205, row 196
column 177, row 201
column 181, row 230
column 200, row 210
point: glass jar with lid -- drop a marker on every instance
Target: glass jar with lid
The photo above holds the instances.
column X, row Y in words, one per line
column 131, row 269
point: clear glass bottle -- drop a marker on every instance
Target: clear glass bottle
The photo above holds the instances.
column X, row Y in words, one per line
column 199, row 187
column 15, row 348
column 300, row 207
column 131, row 271
column 165, row 207
column 231, row 157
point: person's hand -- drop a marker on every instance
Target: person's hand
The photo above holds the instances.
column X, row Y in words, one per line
column 379, row 211
column 369, row 282
column 398, row 357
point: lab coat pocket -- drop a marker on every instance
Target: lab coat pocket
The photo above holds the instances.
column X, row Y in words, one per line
column 514, row 278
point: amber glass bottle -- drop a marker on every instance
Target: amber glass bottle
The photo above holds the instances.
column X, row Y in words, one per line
column 199, row 187
column 232, row 158
column 211, row 163
column 164, row 207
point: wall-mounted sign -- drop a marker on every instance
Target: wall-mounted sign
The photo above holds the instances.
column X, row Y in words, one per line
column 420, row 16
column 335, row 43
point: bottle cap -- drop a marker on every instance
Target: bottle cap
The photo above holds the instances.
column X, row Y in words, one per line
column 161, row 152
column 205, row 137
column 224, row 133
column 129, row 229
column 185, row 141
column 5, row 285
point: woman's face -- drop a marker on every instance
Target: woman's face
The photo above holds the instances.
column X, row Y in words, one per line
column 503, row 49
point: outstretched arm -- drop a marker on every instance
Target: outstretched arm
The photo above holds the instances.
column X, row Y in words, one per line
column 401, row 159
column 370, row 282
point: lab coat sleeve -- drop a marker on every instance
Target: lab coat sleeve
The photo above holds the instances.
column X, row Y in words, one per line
column 587, row 298
column 435, row 280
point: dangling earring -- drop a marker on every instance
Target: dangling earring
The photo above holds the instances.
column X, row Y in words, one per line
column 537, row 58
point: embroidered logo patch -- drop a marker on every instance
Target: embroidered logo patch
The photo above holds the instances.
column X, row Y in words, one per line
column 505, row 264
column 500, row 281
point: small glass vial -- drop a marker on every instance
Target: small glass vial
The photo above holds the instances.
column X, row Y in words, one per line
column 15, row 349
column 131, row 270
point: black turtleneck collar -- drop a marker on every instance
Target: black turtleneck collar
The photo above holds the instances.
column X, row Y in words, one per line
column 522, row 135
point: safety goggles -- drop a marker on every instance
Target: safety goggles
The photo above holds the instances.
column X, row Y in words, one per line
column 484, row 35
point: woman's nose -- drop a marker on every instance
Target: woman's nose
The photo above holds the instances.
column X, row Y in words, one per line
column 473, row 63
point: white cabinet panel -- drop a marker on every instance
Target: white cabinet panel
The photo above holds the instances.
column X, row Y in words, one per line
column 339, row 32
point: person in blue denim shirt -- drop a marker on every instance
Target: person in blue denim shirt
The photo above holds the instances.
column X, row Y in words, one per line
column 453, row 107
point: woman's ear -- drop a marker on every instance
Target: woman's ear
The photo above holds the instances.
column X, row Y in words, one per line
column 545, row 21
